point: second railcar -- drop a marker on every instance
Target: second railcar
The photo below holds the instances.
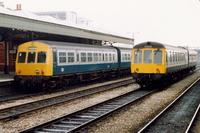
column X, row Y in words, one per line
column 152, row 61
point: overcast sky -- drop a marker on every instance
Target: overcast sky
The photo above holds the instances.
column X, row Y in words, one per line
column 175, row 22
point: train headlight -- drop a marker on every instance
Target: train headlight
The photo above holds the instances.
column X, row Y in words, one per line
column 37, row 71
column 157, row 70
column 19, row 71
column 42, row 71
column 137, row 69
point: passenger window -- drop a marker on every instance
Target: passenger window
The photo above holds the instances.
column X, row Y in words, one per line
column 123, row 57
column 95, row 57
column 147, row 56
column 138, row 56
column 110, row 57
column 126, row 58
column 106, row 57
column 62, row 57
column 113, row 57
column 70, row 57
column 174, row 57
column 41, row 57
column 31, row 57
column 158, row 57
column 21, row 57
column 83, row 57
column 89, row 56
column 100, row 57
column 129, row 57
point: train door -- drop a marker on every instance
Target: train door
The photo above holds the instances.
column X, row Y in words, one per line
column 54, row 62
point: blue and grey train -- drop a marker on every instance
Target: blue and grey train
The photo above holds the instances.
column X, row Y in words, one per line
column 49, row 63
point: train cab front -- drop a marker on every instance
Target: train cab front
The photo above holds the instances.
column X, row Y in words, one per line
column 33, row 63
column 148, row 63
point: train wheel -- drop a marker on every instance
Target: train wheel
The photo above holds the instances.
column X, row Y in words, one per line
column 102, row 76
column 65, row 84
column 22, row 86
column 45, row 87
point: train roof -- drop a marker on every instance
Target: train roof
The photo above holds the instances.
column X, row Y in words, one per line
column 64, row 45
column 150, row 45
column 158, row 45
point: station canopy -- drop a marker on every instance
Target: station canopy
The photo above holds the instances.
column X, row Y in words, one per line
column 26, row 26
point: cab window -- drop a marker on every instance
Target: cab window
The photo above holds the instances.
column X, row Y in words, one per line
column 157, row 56
column 138, row 56
column 31, row 57
column 21, row 57
column 147, row 56
column 41, row 57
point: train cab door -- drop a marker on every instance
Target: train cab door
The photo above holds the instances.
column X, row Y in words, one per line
column 54, row 62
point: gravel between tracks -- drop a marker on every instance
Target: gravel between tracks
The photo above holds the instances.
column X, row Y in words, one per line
column 36, row 98
column 50, row 113
column 129, row 120
column 133, row 118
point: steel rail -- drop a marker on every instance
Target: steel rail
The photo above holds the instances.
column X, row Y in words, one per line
column 83, row 118
column 165, row 109
column 191, row 122
column 15, row 111
column 20, row 95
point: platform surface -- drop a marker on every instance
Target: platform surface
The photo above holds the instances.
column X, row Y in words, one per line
column 6, row 77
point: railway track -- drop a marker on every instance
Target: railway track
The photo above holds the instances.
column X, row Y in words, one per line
column 23, row 95
column 179, row 115
column 193, row 121
column 80, row 120
column 18, row 110
column 194, row 125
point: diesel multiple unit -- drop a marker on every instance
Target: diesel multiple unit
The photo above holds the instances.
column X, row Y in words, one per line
column 152, row 61
column 47, row 64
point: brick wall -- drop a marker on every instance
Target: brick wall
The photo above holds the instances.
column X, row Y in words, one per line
column 2, row 57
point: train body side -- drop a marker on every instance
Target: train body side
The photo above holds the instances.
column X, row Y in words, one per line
column 124, row 57
column 71, row 58
column 176, row 59
column 52, row 64
column 193, row 59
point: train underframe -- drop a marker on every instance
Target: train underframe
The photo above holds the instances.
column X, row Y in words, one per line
column 47, row 83
column 157, row 78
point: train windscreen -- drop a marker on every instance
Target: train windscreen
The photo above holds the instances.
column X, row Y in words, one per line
column 31, row 57
column 148, row 56
column 41, row 57
column 21, row 57
column 158, row 57
column 138, row 56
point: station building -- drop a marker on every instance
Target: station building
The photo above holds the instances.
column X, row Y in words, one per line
column 19, row 26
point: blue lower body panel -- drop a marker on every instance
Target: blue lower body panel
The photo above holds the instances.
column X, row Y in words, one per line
column 69, row 69
column 125, row 64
